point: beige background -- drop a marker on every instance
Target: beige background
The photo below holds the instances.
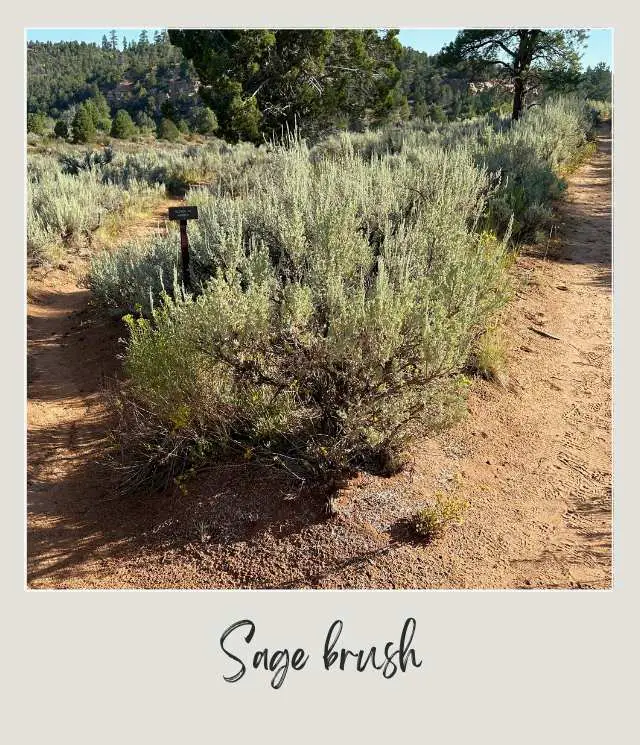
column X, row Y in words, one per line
column 498, row 667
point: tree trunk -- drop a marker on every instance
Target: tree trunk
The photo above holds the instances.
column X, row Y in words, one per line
column 518, row 98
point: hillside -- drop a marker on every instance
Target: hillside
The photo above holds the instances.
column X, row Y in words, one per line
column 139, row 79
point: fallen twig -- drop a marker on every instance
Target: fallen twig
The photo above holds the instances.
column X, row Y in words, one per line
column 544, row 333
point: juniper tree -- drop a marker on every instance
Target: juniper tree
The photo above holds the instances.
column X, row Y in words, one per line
column 61, row 130
column 123, row 127
column 167, row 130
column 260, row 81
column 83, row 127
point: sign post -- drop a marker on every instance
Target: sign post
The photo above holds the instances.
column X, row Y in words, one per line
column 183, row 214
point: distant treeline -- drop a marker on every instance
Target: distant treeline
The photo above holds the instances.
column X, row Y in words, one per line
column 332, row 79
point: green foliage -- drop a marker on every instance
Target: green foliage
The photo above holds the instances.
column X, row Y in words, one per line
column 205, row 121
column 83, row 126
column 61, row 130
column 100, row 111
column 338, row 302
column 529, row 158
column 123, row 127
column 167, row 130
column 66, row 204
column 145, row 123
column 65, row 74
column 37, row 124
column 340, row 291
column 71, row 164
column 523, row 56
column 263, row 82
column 431, row 522
column 596, row 83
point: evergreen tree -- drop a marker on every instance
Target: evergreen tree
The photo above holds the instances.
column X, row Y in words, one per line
column 145, row 122
column 37, row 124
column 101, row 112
column 113, row 36
column 123, row 127
column 105, row 42
column 596, row 82
column 83, row 127
column 144, row 38
column 259, row 81
column 522, row 55
column 124, row 44
column 168, row 110
column 61, row 130
column 205, row 121
column 167, row 130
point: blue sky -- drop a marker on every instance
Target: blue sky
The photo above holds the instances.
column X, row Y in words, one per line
column 598, row 49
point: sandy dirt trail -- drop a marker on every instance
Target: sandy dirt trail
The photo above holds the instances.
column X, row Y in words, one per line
column 533, row 458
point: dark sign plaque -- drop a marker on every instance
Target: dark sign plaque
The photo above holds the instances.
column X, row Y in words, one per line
column 183, row 213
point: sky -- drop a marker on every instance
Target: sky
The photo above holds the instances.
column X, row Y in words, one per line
column 598, row 49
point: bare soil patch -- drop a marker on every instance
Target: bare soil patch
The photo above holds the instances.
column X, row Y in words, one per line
column 533, row 458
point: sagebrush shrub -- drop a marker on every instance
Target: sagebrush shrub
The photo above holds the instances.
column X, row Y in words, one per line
column 65, row 207
column 337, row 306
column 339, row 293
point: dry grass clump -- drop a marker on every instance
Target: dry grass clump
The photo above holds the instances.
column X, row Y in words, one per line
column 431, row 522
column 488, row 358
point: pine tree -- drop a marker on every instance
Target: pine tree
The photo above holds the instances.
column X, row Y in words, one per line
column 105, row 42
column 101, row 112
column 123, row 127
column 205, row 121
column 83, row 128
column 114, row 39
column 144, row 38
column 523, row 56
column 61, row 130
column 124, row 43
column 168, row 110
column 145, row 122
column 37, row 124
column 167, row 130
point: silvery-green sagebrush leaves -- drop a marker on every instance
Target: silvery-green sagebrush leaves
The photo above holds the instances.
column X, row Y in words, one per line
column 338, row 293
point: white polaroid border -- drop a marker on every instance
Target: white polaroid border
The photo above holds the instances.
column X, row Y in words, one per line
column 146, row 666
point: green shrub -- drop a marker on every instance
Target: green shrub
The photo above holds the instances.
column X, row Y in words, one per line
column 91, row 160
column 488, row 358
column 339, row 293
column 337, row 306
column 205, row 121
column 64, row 208
column 167, row 130
column 83, row 126
column 61, row 130
column 123, row 127
column 37, row 124
column 431, row 522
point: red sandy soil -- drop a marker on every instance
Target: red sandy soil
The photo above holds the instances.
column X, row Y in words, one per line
column 532, row 458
